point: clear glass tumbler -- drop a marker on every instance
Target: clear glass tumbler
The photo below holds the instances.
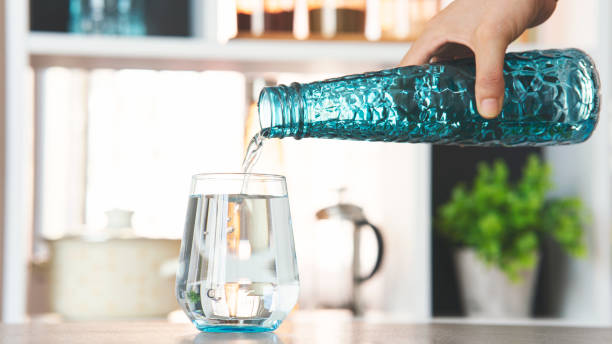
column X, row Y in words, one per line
column 237, row 270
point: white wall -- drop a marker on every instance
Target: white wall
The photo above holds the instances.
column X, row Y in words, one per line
column 584, row 169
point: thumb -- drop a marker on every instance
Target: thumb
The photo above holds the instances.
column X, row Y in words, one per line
column 489, row 76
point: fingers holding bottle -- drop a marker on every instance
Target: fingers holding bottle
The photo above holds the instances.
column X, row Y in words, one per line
column 489, row 45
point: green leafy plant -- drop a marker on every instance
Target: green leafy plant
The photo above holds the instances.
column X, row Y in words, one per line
column 504, row 222
column 193, row 297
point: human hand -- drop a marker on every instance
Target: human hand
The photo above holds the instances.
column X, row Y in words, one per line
column 483, row 29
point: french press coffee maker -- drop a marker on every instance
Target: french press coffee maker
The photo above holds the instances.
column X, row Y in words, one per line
column 339, row 266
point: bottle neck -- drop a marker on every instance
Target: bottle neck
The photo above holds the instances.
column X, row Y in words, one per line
column 281, row 111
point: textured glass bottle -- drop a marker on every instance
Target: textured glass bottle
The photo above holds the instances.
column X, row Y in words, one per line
column 551, row 97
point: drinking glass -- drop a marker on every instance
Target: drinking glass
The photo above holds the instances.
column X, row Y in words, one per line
column 237, row 269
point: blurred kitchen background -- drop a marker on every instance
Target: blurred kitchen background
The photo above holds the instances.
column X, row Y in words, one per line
column 109, row 107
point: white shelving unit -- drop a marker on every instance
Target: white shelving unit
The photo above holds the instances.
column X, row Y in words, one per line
column 590, row 171
column 15, row 162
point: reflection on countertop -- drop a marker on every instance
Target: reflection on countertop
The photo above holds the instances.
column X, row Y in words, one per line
column 235, row 338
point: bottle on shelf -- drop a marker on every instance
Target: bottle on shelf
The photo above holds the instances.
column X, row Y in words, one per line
column 551, row 97
column 322, row 18
column 244, row 13
column 342, row 19
column 111, row 17
column 278, row 16
column 250, row 18
column 350, row 17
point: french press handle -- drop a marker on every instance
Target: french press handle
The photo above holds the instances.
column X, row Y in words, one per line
column 379, row 257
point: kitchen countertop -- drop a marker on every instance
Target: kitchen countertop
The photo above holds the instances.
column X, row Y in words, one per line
column 298, row 330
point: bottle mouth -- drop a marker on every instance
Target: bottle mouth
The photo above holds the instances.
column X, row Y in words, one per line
column 280, row 111
column 264, row 108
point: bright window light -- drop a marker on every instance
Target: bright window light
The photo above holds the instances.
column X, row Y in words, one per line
column 131, row 139
column 149, row 132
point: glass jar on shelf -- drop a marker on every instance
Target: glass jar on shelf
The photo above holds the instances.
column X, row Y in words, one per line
column 107, row 17
column 244, row 12
column 343, row 19
column 350, row 17
column 319, row 14
column 278, row 16
column 250, row 18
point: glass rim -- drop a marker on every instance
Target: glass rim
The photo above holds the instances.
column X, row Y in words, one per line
column 238, row 175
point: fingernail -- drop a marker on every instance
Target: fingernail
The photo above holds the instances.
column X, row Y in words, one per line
column 489, row 107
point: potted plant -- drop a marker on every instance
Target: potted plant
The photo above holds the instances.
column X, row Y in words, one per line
column 498, row 226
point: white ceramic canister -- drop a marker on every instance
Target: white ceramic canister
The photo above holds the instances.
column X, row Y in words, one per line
column 114, row 274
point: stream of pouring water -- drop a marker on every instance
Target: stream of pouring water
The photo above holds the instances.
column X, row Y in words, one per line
column 250, row 158
column 252, row 154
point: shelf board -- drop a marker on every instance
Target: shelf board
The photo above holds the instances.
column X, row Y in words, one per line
column 260, row 55
column 245, row 55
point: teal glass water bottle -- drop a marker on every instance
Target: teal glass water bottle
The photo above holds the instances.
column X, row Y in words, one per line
column 551, row 97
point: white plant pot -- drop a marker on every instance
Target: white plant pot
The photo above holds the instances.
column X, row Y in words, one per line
column 487, row 292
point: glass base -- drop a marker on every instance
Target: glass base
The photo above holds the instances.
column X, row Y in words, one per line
column 225, row 328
